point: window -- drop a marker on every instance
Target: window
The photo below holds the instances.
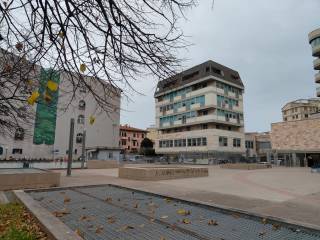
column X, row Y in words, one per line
column 110, row 155
column 237, row 142
column 223, row 141
column 142, row 135
column 123, row 142
column 216, row 71
column 76, row 151
column 134, row 135
column 189, row 76
column 79, row 138
column 81, row 119
column 204, row 141
column 204, row 126
column 19, row 134
column 1, row 150
column 82, row 105
column 16, row 151
column 306, row 115
column 207, row 69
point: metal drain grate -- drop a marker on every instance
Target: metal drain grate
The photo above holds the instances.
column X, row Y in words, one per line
column 110, row 212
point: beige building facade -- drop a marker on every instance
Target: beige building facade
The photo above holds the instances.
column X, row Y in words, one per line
column 258, row 146
column 297, row 143
column 300, row 109
column 152, row 133
column 200, row 111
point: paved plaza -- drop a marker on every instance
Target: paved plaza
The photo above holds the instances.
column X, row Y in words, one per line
column 287, row 193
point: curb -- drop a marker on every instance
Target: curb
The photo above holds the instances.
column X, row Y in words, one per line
column 55, row 228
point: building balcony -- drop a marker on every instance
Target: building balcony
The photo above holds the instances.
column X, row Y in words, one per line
column 314, row 40
column 202, row 119
column 316, row 64
column 317, row 77
column 318, row 91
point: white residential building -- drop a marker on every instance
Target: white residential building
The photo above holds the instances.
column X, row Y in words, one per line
column 200, row 111
column 47, row 136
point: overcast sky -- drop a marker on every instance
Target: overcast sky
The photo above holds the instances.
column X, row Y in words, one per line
column 265, row 41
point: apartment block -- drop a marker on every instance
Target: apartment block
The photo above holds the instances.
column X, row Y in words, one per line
column 300, row 109
column 200, row 110
column 314, row 40
column 131, row 138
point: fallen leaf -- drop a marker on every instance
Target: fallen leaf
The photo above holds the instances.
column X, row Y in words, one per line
column 186, row 221
column 162, row 238
column 183, row 212
column 127, row 227
column 142, row 225
column 66, row 200
column 168, row 200
column 108, row 199
column 264, row 221
column 136, row 205
column 164, row 217
column 83, row 218
column 78, row 232
column 213, row 223
column 99, row 229
column 276, row 226
column 111, row 220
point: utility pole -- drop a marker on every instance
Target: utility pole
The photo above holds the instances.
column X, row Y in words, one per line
column 70, row 151
column 83, row 155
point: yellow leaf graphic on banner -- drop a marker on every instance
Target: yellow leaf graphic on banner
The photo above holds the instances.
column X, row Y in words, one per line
column 34, row 96
column 52, row 86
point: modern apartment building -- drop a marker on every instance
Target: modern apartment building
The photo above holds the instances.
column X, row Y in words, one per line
column 314, row 40
column 131, row 138
column 47, row 136
column 200, row 111
column 300, row 109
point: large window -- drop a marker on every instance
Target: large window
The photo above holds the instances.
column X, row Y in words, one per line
column 1, row 150
column 249, row 144
column 237, row 142
column 223, row 142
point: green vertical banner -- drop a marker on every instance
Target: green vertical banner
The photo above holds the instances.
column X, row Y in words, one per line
column 46, row 114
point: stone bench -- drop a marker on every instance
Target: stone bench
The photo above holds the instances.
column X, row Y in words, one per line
column 154, row 173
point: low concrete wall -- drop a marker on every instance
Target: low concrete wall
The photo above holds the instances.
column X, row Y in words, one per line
column 102, row 164
column 244, row 166
column 161, row 173
column 41, row 179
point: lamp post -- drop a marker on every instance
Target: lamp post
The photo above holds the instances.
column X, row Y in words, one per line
column 70, row 151
column 83, row 155
column 6, row 153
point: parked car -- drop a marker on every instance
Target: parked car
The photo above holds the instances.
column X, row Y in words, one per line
column 135, row 158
